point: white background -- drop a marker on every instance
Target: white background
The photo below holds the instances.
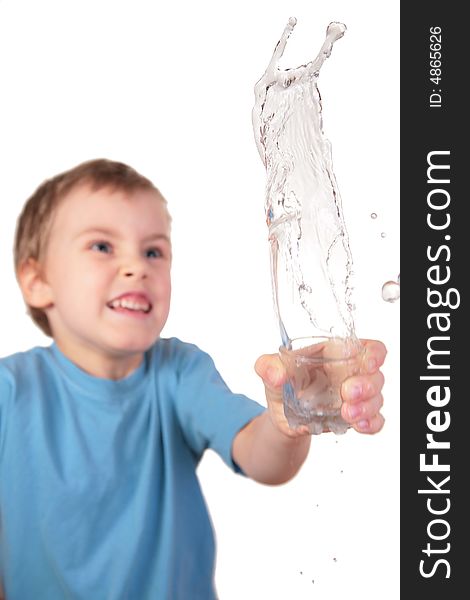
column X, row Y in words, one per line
column 168, row 88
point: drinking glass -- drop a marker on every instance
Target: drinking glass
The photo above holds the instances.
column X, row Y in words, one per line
column 316, row 368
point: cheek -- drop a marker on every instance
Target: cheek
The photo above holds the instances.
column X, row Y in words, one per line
column 166, row 284
column 81, row 283
column 162, row 290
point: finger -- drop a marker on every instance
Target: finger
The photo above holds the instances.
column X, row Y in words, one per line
column 374, row 356
column 271, row 370
column 373, row 425
column 354, row 413
column 361, row 387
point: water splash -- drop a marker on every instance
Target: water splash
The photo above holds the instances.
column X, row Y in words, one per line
column 311, row 262
column 391, row 290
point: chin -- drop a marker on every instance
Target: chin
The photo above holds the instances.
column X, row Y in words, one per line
column 133, row 346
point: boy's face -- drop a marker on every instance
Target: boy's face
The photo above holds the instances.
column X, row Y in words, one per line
column 107, row 268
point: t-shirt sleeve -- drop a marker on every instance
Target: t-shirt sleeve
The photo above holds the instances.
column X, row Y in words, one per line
column 210, row 414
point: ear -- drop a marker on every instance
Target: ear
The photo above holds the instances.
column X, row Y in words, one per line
column 36, row 291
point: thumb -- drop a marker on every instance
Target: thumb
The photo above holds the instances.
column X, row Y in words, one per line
column 271, row 370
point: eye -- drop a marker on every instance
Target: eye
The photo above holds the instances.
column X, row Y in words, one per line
column 153, row 253
column 102, row 247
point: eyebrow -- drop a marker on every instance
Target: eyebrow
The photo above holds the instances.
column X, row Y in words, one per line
column 115, row 234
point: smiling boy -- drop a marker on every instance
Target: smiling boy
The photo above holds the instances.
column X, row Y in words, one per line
column 107, row 289
column 101, row 432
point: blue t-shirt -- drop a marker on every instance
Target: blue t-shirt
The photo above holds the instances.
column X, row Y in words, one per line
column 99, row 498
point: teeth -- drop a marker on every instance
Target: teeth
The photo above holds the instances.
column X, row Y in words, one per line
column 130, row 304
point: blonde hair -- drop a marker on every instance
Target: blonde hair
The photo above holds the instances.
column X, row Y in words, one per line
column 34, row 222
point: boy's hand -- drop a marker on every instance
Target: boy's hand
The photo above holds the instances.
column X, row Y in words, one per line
column 362, row 394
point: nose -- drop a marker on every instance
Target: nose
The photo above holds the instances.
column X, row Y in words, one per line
column 134, row 267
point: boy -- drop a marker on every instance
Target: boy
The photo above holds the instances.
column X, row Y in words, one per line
column 101, row 433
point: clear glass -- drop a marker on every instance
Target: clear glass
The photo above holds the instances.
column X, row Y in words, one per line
column 316, row 369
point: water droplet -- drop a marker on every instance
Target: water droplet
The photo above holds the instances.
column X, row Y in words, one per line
column 383, row 234
column 391, row 291
column 373, row 215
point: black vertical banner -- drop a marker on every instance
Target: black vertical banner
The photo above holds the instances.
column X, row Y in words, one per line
column 435, row 422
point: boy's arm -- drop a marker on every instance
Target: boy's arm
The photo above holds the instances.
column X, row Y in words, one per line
column 266, row 454
column 269, row 451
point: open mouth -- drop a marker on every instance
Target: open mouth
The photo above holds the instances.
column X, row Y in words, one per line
column 130, row 305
